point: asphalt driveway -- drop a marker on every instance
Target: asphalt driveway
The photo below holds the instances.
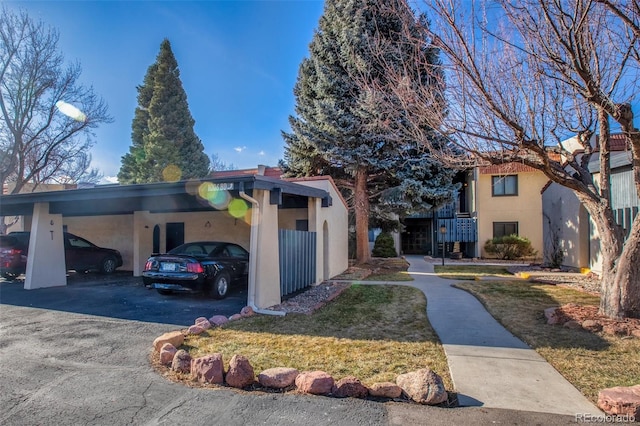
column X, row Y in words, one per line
column 79, row 355
column 120, row 295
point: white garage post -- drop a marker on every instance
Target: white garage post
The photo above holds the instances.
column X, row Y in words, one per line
column 142, row 240
column 46, row 261
column 314, row 206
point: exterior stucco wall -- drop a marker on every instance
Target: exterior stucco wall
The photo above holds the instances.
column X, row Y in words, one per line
column 331, row 224
column 267, row 256
column 121, row 232
column 287, row 217
column 524, row 208
column 566, row 220
column 106, row 231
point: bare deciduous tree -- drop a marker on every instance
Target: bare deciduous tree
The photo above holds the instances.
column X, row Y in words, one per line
column 523, row 76
column 38, row 143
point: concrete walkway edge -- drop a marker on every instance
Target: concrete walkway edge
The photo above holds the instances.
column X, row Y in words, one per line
column 489, row 366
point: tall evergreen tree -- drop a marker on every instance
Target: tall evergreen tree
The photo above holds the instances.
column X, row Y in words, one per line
column 337, row 128
column 164, row 144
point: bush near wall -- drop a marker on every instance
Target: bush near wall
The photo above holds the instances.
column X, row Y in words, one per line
column 510, row 247
column 384, row 246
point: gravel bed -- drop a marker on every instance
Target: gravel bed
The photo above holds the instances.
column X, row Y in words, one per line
column 312, row 298
column 585, row 282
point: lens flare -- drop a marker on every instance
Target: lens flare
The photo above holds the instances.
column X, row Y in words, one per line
column 71, row 111
column 238, row 208
column 217, row 198
column 171, row 173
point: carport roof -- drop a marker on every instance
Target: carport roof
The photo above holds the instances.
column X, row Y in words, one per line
column 154, row 197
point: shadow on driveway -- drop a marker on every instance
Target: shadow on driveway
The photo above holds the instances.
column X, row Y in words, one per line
column 120, row 295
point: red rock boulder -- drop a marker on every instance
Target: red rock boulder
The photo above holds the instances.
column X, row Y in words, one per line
column 349, row 387
column 176, row 338
column 208, row 369
column 247, row 311
column 240, row 374
column 167, row 352
column 424, row 386
column 552, row 315
column 315, row 382
column 278, row 378
column 196, row 329
column 620, row 400
column 385, row 390
column 218, row 320
column 181, row 362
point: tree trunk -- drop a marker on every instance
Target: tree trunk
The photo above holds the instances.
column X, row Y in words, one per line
column 361, row 211
column 621, row 289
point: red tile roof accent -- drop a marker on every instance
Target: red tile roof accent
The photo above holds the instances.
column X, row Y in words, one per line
column 616, row 142
column 506, row 168
column 274, row 172
column 324, row 177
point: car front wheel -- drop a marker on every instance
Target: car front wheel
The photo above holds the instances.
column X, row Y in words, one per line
column 220, row 286
column 108, row 265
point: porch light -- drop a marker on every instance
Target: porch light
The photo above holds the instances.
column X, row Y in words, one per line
column 443, row 231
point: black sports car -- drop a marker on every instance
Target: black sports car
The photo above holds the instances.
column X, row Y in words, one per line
column 209, row 267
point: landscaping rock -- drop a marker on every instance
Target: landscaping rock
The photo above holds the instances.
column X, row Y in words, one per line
column 573, row 325
column 315, row 382
column 278, row 378
column 247, row 311
column 181, row 362
column 240, row 374
column 167, row 352
column 235, row 317
column 552, row 315
column 195, row 329
column 176, row 338
column 385, row 390
column 620, row 400
column 208, row 369
column 349, row 387
column 424, row 386
column 615, row 329
column 218, row 320
column 591, row 325
column 636, row 333
column 203, row 322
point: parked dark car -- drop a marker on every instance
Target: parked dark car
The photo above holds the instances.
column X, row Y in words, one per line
column 80, row 255
column 209, row 267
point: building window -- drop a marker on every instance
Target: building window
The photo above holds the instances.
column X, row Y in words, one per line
column 504, row 185
column 500, row 229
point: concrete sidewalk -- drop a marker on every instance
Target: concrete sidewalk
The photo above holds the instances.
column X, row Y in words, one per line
column 489, row 366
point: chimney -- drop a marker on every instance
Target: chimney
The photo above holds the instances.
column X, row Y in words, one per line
column 261, row 169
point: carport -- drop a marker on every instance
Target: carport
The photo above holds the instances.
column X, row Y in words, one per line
column 252, row 211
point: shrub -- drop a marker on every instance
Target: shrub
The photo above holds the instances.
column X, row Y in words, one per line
column 384, row 246
column 510, row 247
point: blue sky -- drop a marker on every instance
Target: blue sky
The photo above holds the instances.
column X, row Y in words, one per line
column 238, row 63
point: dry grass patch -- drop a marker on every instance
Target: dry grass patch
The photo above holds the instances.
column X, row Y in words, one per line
column 373, row 332
column 590, row 361
column 470, row 272
column 378, row 269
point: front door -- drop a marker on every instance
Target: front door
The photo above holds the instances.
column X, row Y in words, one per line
column 416, row 239
column 175, row 234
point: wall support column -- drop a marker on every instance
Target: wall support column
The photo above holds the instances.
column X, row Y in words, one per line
column 46, row 260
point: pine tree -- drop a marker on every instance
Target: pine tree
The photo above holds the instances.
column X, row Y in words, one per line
column 334, row 131
column 164, row 144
